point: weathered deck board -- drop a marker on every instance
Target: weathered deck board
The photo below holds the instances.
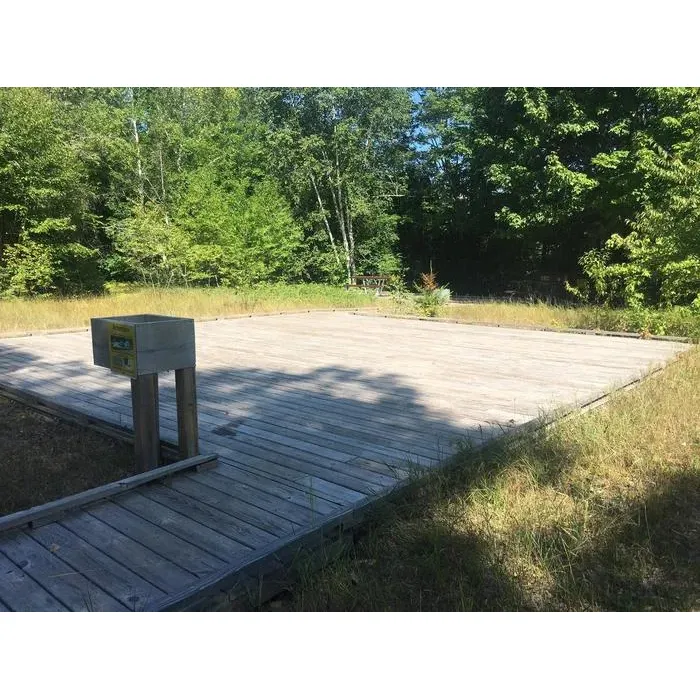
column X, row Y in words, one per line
column 152, row 567
column 316, row 481
column 258, row 517
column 65, row 584
column 189, row 530
column 317, row 505
column 254, row 497
column 312, row 416
column 235, row 528
column 21, row 592
column 184, row 554
column 117, row 580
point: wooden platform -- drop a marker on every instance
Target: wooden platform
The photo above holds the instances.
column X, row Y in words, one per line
column 313, row 416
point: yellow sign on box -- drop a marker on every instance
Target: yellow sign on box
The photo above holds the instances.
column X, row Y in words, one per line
column 122, row 349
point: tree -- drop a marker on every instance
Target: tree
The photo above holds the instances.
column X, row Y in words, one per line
column 657, row 261
column 341, row 152
column 593, row 186
column 525, row 182
column 45, row 198
column 205, row 212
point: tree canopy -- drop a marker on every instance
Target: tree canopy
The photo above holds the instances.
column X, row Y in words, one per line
column 587, row 192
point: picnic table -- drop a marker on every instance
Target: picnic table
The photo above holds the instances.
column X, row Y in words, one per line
column 367, row 283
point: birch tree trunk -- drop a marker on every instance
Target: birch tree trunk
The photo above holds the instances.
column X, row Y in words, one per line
column 162, row 185
column 341, row 222
column 139, row 168
column 345, row 219
column 345, row 208
column 325, row 220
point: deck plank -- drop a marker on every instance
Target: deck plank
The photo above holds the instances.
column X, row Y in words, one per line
column 299, row 515
column 312, row 415
column 233, row 527
column 21, row 593
column 340, row 474
column 292, row 494
column 258, row 517
column 189, row 530
column 63, row 582
column 149, row 565
column 278, row 469
column 170, row 547
column 128, row 588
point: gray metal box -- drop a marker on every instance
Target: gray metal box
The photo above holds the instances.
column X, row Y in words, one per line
column 143, row 343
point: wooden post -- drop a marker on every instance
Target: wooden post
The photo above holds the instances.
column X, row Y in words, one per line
column 144, row 402
column 187, row 423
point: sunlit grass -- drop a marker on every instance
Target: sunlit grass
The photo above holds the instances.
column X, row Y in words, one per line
column 677, row 321
column 52, row 313
column 18, row 315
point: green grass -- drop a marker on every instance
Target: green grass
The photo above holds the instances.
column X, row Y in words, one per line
column 599, row 512
column 18, row 315
column 677, row 321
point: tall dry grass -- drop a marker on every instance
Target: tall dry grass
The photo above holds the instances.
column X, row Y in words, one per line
column 17, row 315
column 679, row 321
column 675, row 321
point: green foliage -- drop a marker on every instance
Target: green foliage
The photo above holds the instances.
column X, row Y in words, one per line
column 429, row 302
column 431, row 297
column 45, row 195
column 160, row 185
column 239, row 235
column 28, row 269
column 597, row 186
column 77, row 269
column 592, row 189
column 339, row 154
column 217, row 238
column 151, row 250
column 658, row 260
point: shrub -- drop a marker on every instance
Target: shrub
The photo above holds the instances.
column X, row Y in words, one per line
column 431, row 296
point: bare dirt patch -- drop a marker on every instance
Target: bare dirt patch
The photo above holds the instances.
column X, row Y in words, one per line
column 43, row 458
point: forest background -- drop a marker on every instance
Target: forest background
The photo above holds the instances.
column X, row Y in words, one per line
column 578, row 194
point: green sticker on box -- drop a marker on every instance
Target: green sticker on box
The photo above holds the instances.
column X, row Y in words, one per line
column 122, row 349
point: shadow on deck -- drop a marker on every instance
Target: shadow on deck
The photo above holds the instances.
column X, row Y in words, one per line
column 302, row 456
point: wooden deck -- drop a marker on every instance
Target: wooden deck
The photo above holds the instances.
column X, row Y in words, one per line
column 314, row 416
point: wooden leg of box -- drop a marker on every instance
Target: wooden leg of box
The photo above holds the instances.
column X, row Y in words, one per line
column 187, row 423
column 144, row 401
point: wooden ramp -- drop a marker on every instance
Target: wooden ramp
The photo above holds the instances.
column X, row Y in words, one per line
column 314, row 416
